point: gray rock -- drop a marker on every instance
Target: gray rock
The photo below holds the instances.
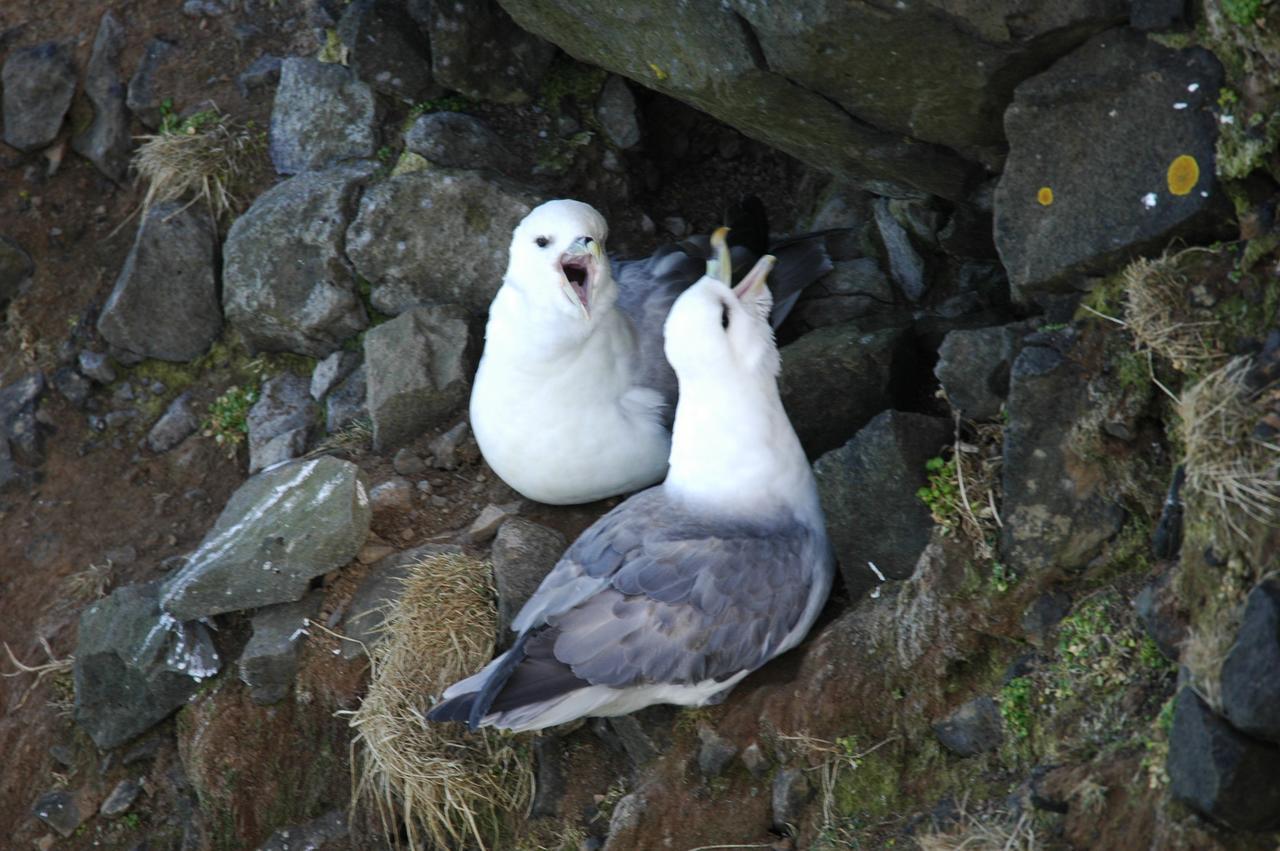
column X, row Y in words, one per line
column 73, row 386
column 97, row 366
column 178, row 422
column 322, row 115
column 432, row 237
column 280, row 421
column 288, row 287
column 407, row 463
column 262, row 72
column 624, row 822
column 203, row 9
column 549, row 783
column 834, row 380
column 348, row 403
column 1044, row 613
column 315, row 834
column 1220, row 772
column 106, row 142
column 1162, row 616
column 419, row 368
column 478, row 51
column 791, row 792
column 1113, row 201
column 523, row 553
column 643, row 736
column 135, row 664
column 381, row 587
column 905, row 264
column 332, row 370
column 853, row 289
column 143, row 97
column 59, row 810
column 975, row 727
column 868, row 492
column 392, row 495
column 386, row 50
column 121, row 798
column 280, row 530
column 270, row 658
column 38, row 84
column 457, row 140
column 973, row 367
column 1155, row 15
column 444, row 449
column 165, row 301
column 755, row 761
column 491, row 517
column 16, row 268
column 616, row 112
column 1250, row 680
column 714, row 752
column 18, row 425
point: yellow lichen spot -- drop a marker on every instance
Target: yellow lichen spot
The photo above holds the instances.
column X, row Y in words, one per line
column 658, row 72
column 1045, row 196
column 1184, row 173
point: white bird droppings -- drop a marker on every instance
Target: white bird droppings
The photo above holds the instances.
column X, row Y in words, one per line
column 1180, row 105
column 1149, row 200
column 1194, row 87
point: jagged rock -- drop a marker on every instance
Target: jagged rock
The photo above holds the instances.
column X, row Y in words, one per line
column 392, row 495
column 1160, row 611
column 178, row 422
column 624, row 822
column 97, row 366
column 491, row 517
column 905, row 264
column 315, row 834
column 407, row 463
column 386, row 50
column 643, row 736
column 432, row 237
column 457, row 140
column 263, row 71
column 1220, row 772
column 270, row 659
column 834, row 380
column 549, row 783
column 1096, row 171
column 381, row 587
column 106, row 142
column 791, row 791
column 135, row 664
column 332, row 370
column 18, row 428
column 73, row 386
column 1055, row 512
column 280, row 421
column 477, row 50
column 16, row 268
column 322, row 115
column 59, row 810
column 616, row 112
column 1250, row 687
column 523, row 553
column 280, row 530
column 714, row 752
column 973, row 367
column 165, row 302
column 873, row 479
column 444, row 449
column 38, row 84
column 143, row 99
column 121, row 798
column 975, row 727
column 286, row 282
column 853, row 289
column 347, row 403
column 419, row 368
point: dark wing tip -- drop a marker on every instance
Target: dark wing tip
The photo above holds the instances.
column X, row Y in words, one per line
column 454, row 709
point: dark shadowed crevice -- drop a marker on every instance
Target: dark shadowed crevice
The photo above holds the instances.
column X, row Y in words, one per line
column 753, row 42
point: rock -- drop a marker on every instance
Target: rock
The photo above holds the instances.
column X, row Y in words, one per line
column 714, row 753
column 38, row 84
column 322, row 115
column 281, row 529
column 1068, row 206
column 142, row 98
column 391, row 495
column 59, row 810
column 407, row 463
column 18, row 428
column 1056, row 514
column 135, row 664
column 106, row 142
column 853, row 288
column 975, row 727
column 491, row 517
column 121, row 798
column 549, row 783
column 419, row 368
column 1155, row 15
column 1250, row 689
column 905, row 264
column 386, row 50
column 873, row 479
column 624, row 822
column 834, row 380
column 73, row 386
column 332, row 370
column 16, row 268
column 642, row 736
column 973, row 367
column 791, row 792
column 1160, row 611
column 1044, row 613
column 280, row 421
column 178, row 422
column 755, row 761
column 478, row 51
column 96, row 366
column 262, row 72
column 444, row 449
column 291, row 288
column 523, row 553
column 270, row 659
column 315, row 834
column 347, row 403
column 1220, row 772
column 381, row 586
column 165, row 302
column 432, row 237
column 616, row 112
column 456, row 140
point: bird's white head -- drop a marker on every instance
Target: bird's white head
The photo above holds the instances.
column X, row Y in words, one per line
column 557, row 260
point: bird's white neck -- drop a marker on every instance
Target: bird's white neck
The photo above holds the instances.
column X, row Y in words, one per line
column 532, row 334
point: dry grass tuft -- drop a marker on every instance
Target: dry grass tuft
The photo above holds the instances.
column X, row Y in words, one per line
column 353, row 438
column 90, row 583
column 996, row 831
column 442, row 783
column 54, row 667
column 1203, row 652
column 1159, row 313
column 829, row 761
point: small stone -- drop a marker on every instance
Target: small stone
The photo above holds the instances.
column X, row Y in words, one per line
column 975, row 727
column 550, row 786
column 391, row 495
column 58, row 810
column 616, row 111
column 714, row 753
column 372, row 552
column 905, row 265
column 73, row 386
column 263, row 72
column 973, row 367
column 676, row 226
column 1044, row 613
column 444, row 449
column 97, row 367
column 106, row 141
column 63, row 755
column 122, row 556
column 280, row 421
column 755, row 761
column 318, row 833
column 385, row 48
column 178, row 422
column 121, row 798
column 346, row 404
column 143, row 98
column 485, row 526
column 791, row 791
column 381, row 587
column 16, row 269
column 331, row 371
column 1162, row 616
column 407, row 463
column 477, row 50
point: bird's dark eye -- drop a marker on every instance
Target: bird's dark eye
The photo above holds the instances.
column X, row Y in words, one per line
column 542, row 242
column 724, row 317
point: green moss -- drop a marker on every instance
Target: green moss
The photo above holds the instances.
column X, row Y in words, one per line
column 1241, row 12
column 942, row 494
column 569, row 79
column 869, row 785
column 1016, row 707
column 1132, row 370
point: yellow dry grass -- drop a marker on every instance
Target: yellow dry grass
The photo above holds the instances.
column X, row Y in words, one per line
column 988, row 832
column 444, row 785
column 1159, row 313
column 203, row 158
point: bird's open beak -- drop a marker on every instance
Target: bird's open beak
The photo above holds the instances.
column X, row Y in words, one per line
column 580, row 265
column 720, row 266
column 756, row 277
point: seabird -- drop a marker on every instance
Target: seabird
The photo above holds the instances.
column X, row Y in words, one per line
column 573, row 398
column 685, row 588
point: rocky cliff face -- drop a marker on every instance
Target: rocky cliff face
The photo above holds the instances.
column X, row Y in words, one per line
column 1039, row 390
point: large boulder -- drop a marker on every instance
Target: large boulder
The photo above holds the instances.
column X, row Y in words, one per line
column 322, row 116
column 386, row 50
column 1111, row 155
column 165, row 302
column 106, row 141
column 287, row 286
column 1251, row 672
column 435, row 237
column 38, row 84
column 476, row 49
column 134, row 664
column 279, row 531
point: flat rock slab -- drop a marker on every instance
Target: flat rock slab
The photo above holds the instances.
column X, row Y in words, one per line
column 38, row 84
column 1111, row 155
column 1251, row 672
column 135, row 664
column 322, row 116
column 279, row 531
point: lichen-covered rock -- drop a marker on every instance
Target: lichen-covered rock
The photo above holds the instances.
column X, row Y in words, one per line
column 386, row 50
column 973, row 367
column 269, row 661
column 280, row 421
column 1251, row 672
column 476, row 49
column 322, row 116
column 143, row 97
column 165, row 302
column 435, row 237
column 38, row 84
column 16, row 268
column 135, row 664
column 280, row 530
column 106, row 141
column 523, row 554
column 458, row 140
column 287, row 285
column 1111, row 154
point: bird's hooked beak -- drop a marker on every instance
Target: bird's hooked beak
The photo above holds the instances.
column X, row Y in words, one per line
column 748, row 286
column 720, row 266
column 579, row 266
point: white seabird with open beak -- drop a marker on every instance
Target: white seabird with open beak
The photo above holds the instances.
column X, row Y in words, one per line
column 685, row 588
